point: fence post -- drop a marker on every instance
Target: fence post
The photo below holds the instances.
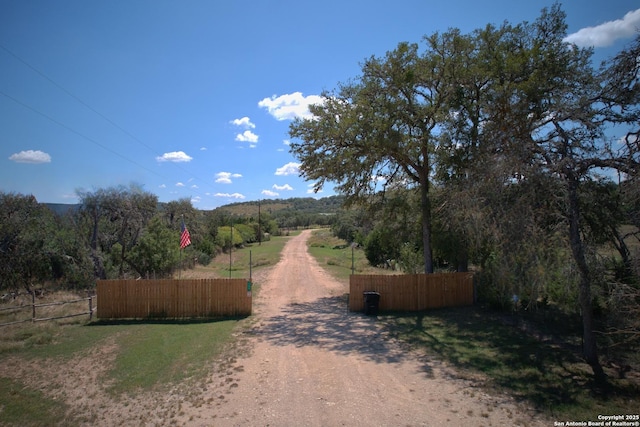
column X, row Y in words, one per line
column 90, row 305
column 33, row 305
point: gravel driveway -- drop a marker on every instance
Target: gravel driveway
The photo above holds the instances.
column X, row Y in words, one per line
column 312, row 363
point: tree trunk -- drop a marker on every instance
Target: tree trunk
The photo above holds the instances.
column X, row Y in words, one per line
column 463, row 260
column 425, row 205
column 94, row 231
column 589, row 345
column 98, row 265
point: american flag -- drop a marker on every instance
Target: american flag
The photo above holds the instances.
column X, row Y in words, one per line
column 185, row 238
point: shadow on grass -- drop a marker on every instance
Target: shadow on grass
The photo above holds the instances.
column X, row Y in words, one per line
column 163, row 321
column 327, row 324
column 529, row 364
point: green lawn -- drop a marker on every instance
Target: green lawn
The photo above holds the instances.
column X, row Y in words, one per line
column 243, row 261
column 22, row 406
column 338, row 258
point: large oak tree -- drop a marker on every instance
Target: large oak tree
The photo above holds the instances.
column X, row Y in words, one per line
column 498, row 107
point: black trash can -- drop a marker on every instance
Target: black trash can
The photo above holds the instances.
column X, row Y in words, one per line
column 371, row 303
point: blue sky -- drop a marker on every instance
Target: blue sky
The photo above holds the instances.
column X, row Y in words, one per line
column 193, row 99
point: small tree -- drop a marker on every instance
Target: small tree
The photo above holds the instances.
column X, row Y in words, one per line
column 25, row 227
column 112, row 220
column 157, row 252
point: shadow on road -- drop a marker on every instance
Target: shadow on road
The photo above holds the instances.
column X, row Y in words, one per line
column 326, row 323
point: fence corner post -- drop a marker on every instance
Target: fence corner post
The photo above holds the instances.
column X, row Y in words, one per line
column 90, row 305
column 33, row 305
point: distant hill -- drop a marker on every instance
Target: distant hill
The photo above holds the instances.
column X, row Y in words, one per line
column 62, row 209
column 301, row 205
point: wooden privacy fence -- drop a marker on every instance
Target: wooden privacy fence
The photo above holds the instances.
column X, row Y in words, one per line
column 138, row 299
column 413, row 292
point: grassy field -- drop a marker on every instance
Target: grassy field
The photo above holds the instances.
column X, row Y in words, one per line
column 237, row 264
column 338, row 258
column 149, row 355
column 22, row 406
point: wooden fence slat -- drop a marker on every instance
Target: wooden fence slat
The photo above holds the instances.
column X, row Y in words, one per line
column 412, row 292
column 172, row 298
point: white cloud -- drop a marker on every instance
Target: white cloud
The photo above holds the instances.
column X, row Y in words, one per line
column 247, row 136
column 225, row 177
column 31, row 156
column 290, row 106
column 282, row 187
column 203, row 148
column 269, row 193
column 179, row 184
column 290, row 168
column 162, row 186
column 174, row 156
column 196, row 199
column 244, row 122
column 607, row 33
column 194, row 186
column 230, row 196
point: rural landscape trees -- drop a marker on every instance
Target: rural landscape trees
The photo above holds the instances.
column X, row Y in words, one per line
column 511, row 139
column 123, row 232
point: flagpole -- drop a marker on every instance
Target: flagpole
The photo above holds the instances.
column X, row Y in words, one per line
column 185, row 240
column 180, row 267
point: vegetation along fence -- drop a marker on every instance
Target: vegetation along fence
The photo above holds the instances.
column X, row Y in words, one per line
column 11, row 312
column 138, row 299
column 412, row 292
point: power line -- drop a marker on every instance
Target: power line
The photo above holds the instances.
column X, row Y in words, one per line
column 108, row 120
column 93, row 141
column 59, row 123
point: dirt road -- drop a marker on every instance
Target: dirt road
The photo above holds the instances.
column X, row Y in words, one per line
column 312, row 363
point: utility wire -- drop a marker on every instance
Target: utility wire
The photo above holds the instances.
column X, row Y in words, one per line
column 59, row 123
column 93, row 141
column 108, row 120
